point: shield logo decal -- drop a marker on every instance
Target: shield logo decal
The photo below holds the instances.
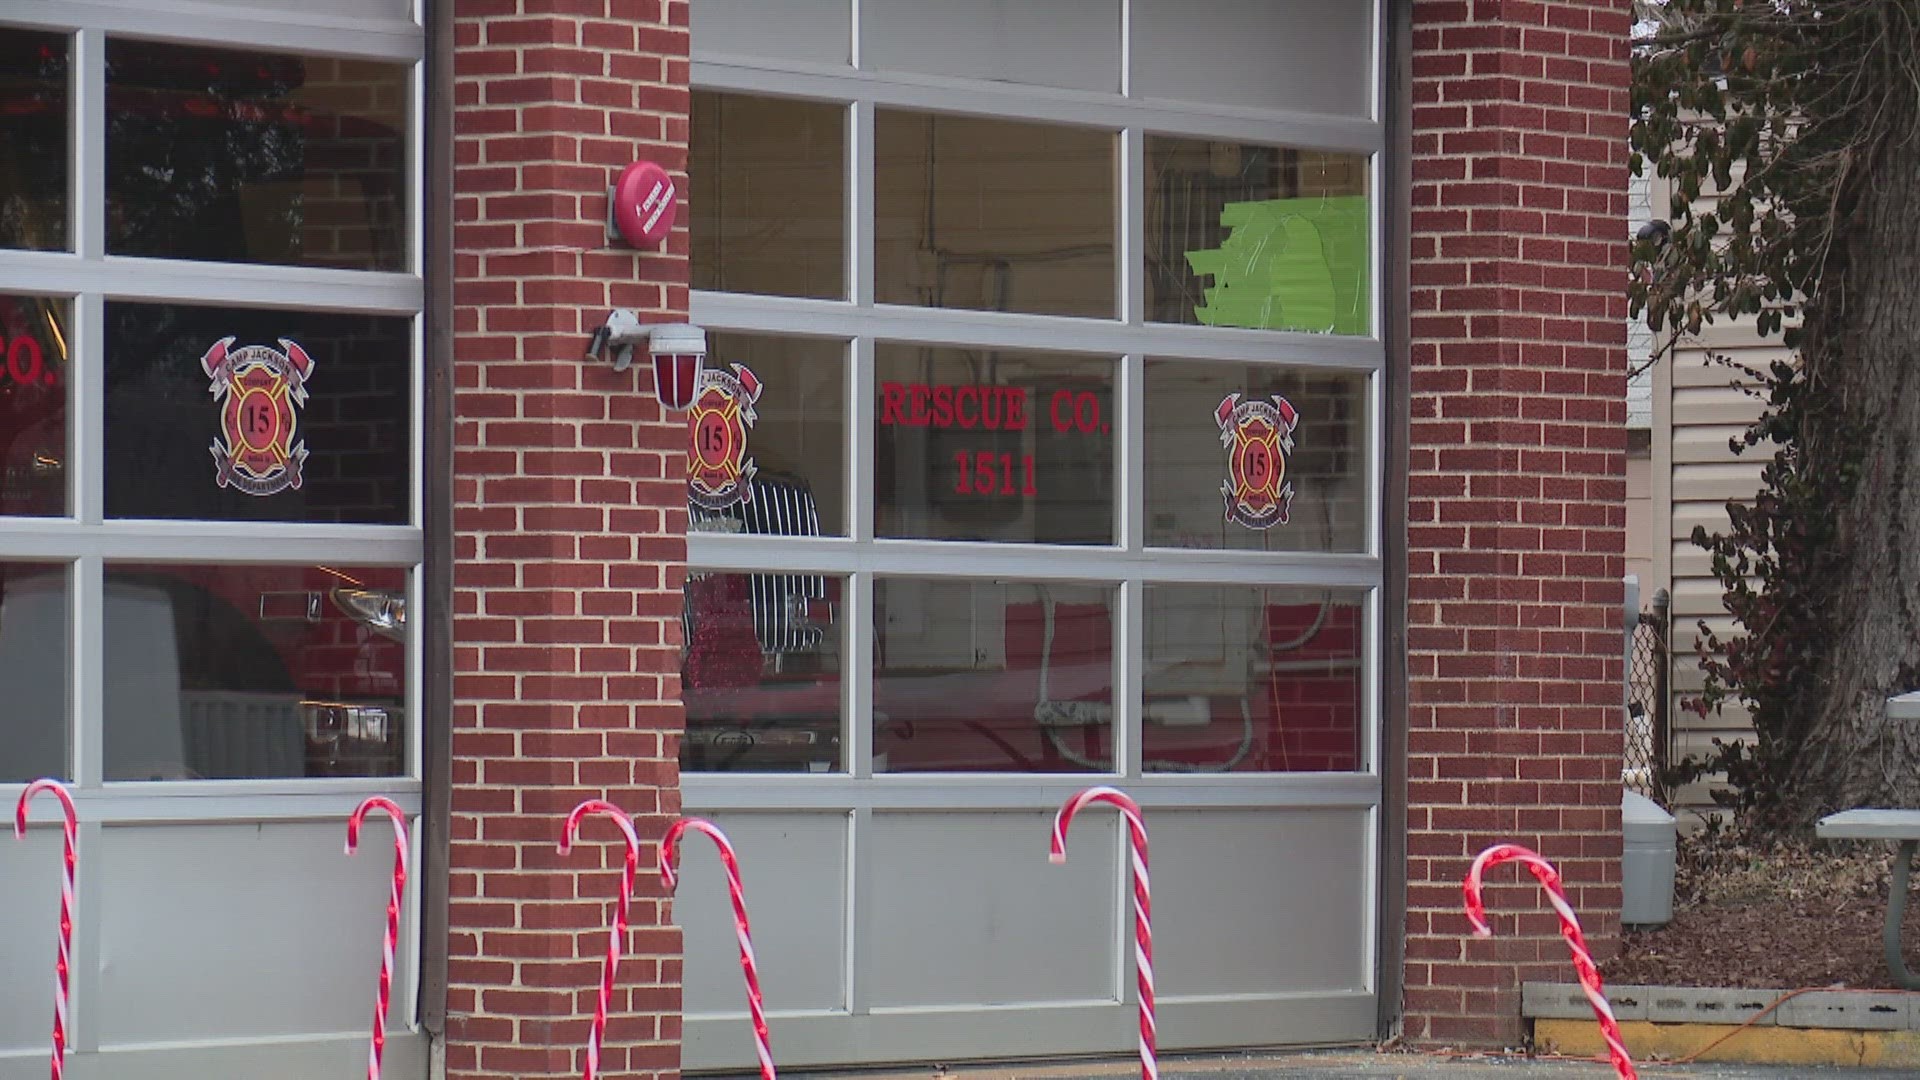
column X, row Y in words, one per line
column 718, row 468
column 259, row 390
column 1258, row 437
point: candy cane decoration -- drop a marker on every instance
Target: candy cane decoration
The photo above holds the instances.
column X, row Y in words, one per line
column 617, row 934
column 1142, row 903
column 64, row 963
column 393, row 917
column 1569, row 929
column 741, row 931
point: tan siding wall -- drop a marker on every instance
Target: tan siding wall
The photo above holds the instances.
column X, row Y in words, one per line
column 1700, row 407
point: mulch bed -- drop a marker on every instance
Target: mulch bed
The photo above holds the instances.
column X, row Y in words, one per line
column 1782, row 915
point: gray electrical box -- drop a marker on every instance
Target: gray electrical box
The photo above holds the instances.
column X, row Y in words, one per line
column 1646, row 864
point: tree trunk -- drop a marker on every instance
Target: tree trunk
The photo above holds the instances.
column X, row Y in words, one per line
column 1863, row 349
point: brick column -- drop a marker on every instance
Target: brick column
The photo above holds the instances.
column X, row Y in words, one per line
column 1516, row 509
column 570, row 535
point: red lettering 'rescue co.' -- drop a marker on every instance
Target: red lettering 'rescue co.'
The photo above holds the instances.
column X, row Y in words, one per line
column 984, row 407
column 992, row 408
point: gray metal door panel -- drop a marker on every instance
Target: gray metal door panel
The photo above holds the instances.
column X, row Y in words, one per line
column 255, row 930
column 29, row 921
column 298, row 1059
column 964, row 909
column 969, row 944
column 794, row 869
column 1261, row 902
column 1030, row 1031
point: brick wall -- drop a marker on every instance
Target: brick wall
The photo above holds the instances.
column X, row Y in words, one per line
column 1516, row 512
column 570, row 522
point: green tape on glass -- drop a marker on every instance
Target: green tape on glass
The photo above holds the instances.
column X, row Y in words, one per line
column 1289, row 264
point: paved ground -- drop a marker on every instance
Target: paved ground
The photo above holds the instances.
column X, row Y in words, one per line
column 1361, row 1065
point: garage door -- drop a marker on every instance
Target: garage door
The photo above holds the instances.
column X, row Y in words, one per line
column 1038, row 445
column 209, row 525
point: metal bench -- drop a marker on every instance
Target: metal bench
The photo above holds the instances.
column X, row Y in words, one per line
column 1900, row 825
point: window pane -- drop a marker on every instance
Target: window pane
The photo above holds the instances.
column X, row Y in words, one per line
column 1253, row 680
column 760, row 673
column 768, row 435
column 993, row 445
column 1263, row 237
column 990, row 676
column 35, row 102
column 1256, row 458
column 224, row 671
column 811, row 31
column 34, row 725
column 35, row 379
column 302, row 417
column 1296, row 55
column 242, row 156
column 769, row 179
column 972, row 212
column 1067, row 43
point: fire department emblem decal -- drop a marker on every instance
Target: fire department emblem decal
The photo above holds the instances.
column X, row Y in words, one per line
column 259, row 389
column 1258, row 436
column 718, row 468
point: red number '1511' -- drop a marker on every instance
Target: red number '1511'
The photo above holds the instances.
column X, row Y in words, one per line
column 986, row 473
column 25, row 364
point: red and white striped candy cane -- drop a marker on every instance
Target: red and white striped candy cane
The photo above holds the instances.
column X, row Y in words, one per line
column 399, row 820
column 741, row 931
column 63, row 965
column 1142, row 903
column 617, row 934
column 1569, row 929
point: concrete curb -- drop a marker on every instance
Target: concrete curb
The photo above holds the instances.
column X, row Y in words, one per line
column 1818, row 1027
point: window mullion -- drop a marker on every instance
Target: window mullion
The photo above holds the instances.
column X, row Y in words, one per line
column 89, row 128
column 87, row 693
column 87, row 439
column 858, row 669
column 861, row 430
column 1132, row 486
column 1128, row 652
column 1133, row 228
column 860, row 227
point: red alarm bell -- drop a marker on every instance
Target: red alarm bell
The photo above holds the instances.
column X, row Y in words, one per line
column 643, row 202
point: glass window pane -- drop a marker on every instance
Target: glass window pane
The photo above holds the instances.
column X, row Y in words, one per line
column 769, row 199
column 1253, row 680
column 1294, row 55
column 992, row 676
column 767, row 438
column 253, row 157
column 229, row 414
column 1256, row 458
column 35, row 103
column 35, row 379
column 1073, row 44
column 224, row 671
column 760, row 673
column 34, row 726
column 974, row 212
column 993, row 445
column 1263, row 237
column 811, row 31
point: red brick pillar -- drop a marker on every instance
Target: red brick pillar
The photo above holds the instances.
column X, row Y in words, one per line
column 1516, row 496
column 570, row 521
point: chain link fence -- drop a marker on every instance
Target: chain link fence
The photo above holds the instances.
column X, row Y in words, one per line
column 1649, row 741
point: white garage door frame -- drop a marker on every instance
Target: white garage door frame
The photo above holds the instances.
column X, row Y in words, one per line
column 836, row 863
column 209, row 913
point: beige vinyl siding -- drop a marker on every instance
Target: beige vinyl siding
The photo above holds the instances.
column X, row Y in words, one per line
column 1705, row 410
